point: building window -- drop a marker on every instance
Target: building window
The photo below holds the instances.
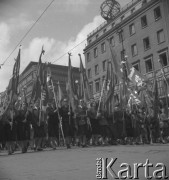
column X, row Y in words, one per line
column 132, row 10
column 91, row 88
column 164, row 59
column 144, row 21
column 157, row 13
column 89, row 73
column 88, row 56
column 103, row 47
column 146, row 43
column 137, row 66
column 122, row 18
column 121, row 36
column 97, row 86
column 149, row 65
column 134, row 50
column 112, row 41
column 104, row 30
column 113, row 24
column 97, row 36
column 95, row 52
column 144, row 2
column 104, row 65
column 90, row 41
column 160, row 36
column 96, row 69
column 132, row 29
column 123, row 53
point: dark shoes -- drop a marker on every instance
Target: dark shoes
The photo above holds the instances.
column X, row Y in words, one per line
column 39, row 149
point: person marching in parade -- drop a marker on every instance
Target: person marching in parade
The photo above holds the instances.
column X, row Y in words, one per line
column 92, row 113
column 9, row 119
column 81, row 118
column 53, row 125
column 39, row 132
column 23, row 127
column 103, row 124
column 67, row 122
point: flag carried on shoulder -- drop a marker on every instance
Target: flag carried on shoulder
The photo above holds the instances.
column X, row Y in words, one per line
column 84, row 85
column 115, row 63
column 59, row 95
column 110, row 82
column 39, row 81
column 136, row 77
column 49, row 83
column 73, row 98
column 15, row 79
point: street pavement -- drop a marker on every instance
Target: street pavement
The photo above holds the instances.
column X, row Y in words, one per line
column 78, row 163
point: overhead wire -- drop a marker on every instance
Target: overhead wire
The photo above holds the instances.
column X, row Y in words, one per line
column 68, row 51
column 27, row 33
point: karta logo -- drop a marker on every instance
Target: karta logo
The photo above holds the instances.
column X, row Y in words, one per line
column 128, row 171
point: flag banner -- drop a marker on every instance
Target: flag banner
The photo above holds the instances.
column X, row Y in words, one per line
column 12, row 89
column 59, row 95
column 22, row 99
column 15, row 78
column 156, row 97
column 134, row 98
column 49, row 84
column 39, row 81
column 36, row 91
column 84, row 85
column 73, row 98
column 110, row 84
column 115, row 63
column 135, row 76
column 165, row 87
column 44, row 98
column 165, row 81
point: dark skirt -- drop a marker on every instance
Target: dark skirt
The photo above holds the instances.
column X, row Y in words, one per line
column 23, row 131
column 39, row 131
column 9, row 132
column 82, row 130
column 67, row 129
column 53, row 131
column 95, row 126
column 1, row 132
column 104, row 131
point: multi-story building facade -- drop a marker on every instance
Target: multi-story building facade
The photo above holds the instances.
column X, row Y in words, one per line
column 140, row 31
column 59, row 74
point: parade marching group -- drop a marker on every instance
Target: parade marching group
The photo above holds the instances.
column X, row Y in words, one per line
column 136, row 116
column 21, row 130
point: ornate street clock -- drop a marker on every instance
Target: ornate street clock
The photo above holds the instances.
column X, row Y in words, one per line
column 109, row 8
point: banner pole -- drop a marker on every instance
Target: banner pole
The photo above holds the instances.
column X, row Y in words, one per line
column 58, row 112
column 101, row 97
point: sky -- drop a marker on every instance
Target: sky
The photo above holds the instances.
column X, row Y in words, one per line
column 65, row 24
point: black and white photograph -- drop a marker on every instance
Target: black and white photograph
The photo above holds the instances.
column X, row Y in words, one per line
column 84, row 89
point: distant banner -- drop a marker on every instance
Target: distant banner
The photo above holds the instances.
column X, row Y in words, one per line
column 136, row 77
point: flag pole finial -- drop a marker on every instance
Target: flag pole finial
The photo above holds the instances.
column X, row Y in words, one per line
column 70, row 54
column 43, row 51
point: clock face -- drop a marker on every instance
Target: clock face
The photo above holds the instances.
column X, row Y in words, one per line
column 109, row 8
